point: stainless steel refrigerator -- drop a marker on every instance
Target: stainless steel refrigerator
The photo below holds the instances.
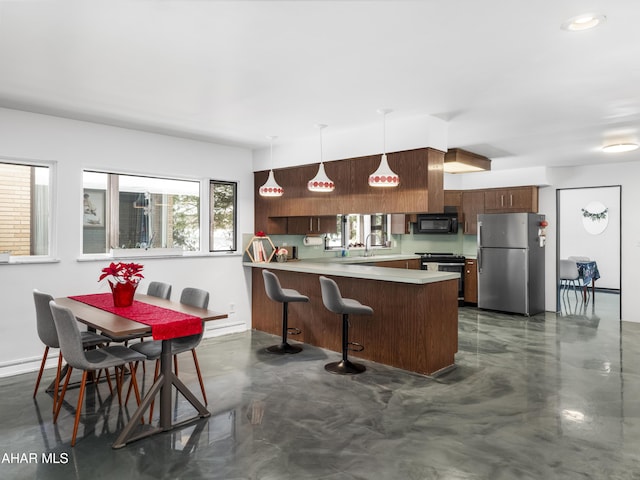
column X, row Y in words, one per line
column 511, row 262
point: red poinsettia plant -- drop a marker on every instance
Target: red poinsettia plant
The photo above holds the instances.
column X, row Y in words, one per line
column 119, row 272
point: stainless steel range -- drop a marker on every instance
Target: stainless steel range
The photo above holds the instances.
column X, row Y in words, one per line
column 445, row 262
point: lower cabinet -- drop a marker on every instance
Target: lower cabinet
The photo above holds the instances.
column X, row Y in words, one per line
column 471, row 280
column 411, row 264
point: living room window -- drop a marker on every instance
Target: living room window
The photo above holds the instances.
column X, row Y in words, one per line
column 25, row 209
column 133, row 211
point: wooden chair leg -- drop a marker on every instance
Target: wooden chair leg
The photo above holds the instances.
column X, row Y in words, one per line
column 118, row 375
column 57, row 382
column 133, row 370
column 61, row 398
column 195, row 361
column 134, row 381
column 44, row 360
column 106, row 374
column 79, row 407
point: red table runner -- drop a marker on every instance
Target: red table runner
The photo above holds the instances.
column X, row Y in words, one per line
column 165, row 323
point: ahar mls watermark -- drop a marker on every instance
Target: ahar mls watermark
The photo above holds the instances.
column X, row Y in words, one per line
column 61, row 458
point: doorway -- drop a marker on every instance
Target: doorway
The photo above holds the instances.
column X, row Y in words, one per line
column 589, row 225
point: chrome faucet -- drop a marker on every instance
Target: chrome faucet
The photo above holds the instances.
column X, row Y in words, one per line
column 368, row 249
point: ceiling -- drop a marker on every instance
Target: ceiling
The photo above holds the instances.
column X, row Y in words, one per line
column 511, row 84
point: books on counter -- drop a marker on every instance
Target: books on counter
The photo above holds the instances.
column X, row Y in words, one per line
column 259, row 254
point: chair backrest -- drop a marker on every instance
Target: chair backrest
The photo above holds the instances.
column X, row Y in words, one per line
column 44, row 319
column 69, row 336
column 579, row 259
column 272, row 286
column 159, row 289
column 195, row 297
column 568, row 270
column 331, row 296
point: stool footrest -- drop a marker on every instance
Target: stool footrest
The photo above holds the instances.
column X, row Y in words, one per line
column 293, row 331
column 356, row 347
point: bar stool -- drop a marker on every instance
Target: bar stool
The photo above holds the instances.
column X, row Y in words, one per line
column 283, row 295
column 334, row 302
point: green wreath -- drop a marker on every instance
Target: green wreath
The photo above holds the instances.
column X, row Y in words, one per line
column 595, row 217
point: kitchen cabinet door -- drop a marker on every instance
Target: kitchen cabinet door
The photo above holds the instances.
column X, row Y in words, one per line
column 311, row 225
column 472, row 205
column 512, row 200
column 470, row 281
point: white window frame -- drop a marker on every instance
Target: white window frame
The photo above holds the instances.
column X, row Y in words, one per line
column 52, row 221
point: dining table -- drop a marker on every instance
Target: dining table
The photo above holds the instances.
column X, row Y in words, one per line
column 94, row 311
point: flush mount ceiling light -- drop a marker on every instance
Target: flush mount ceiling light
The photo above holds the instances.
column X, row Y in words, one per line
column 583, row 22
column 457, row 160
column 271, row 187
column 620, row 147
column 321, row 183
column 384, row 176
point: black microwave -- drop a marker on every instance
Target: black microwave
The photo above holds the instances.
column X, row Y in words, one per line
column 437, row 223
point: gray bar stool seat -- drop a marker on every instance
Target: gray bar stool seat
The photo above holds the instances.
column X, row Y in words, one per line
column 334, row 302
column 283, row 295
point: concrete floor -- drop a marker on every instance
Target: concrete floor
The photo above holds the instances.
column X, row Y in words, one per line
column 553, row 396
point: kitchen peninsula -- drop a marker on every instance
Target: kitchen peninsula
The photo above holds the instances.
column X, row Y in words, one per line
column 415, row 320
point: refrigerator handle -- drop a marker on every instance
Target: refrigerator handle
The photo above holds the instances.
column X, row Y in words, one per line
column 479, row 247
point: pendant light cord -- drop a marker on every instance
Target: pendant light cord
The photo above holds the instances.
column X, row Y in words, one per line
column 384, row 133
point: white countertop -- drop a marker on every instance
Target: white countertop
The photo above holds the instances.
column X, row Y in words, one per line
column 348, row 267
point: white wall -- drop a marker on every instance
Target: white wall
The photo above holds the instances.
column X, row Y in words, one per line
column 76, row 145
column 624, row 174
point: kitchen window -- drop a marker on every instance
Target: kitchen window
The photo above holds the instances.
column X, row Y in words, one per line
column 25, row 209
column 354, row 230
column 132, row 211
column 222, row 216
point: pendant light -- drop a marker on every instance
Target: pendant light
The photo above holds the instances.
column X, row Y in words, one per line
column 384, row 176
column 271, row 187
column 321, row 183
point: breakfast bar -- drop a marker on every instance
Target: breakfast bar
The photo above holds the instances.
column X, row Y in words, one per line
column 415, row 321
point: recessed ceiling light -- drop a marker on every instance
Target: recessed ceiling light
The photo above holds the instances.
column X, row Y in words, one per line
column 620, row 147
column 583, row 22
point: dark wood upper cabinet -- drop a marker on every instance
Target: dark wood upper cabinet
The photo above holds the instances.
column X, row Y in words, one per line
column 512, row 199
column 420, row 189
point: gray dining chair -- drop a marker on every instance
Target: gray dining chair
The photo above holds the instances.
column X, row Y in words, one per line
column 117, row 356
column 194, row 297
column 49, row 336
column 159, row 289
column 569, row 275
column 334, row 302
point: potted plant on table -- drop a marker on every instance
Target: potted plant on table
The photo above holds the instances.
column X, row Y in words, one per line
column 123, row 279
